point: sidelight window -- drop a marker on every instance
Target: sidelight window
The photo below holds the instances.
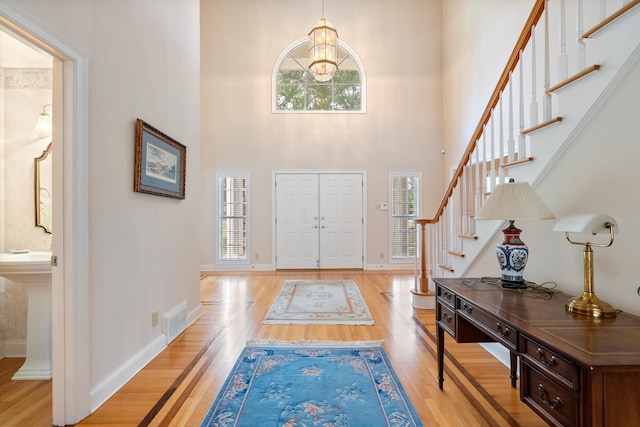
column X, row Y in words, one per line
column 233, row 197
column 404, row 210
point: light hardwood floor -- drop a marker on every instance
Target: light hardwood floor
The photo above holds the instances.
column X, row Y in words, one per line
column 178, row 387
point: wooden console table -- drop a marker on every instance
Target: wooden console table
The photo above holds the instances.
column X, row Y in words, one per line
column 574, row 371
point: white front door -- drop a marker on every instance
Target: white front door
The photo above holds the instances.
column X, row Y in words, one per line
column 319, row 220
column 297, row 221
column 341, row 221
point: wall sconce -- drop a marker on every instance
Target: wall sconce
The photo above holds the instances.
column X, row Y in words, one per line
column 43, row 125
column 589, row 304
column 513, row 201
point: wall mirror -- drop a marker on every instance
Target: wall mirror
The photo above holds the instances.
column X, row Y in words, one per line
column 43, row 170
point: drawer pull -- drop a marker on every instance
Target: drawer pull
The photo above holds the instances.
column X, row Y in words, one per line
column 543, row 358
column 446, row 317
column 504, row 332
column 466, row 307
column 556, row 402
column 448, row 295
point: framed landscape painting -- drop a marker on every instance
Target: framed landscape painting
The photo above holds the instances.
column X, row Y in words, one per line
column 160, row 163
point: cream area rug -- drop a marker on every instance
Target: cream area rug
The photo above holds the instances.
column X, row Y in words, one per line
column 337, row 302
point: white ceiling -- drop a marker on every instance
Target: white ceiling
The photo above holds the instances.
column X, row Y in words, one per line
column 16, row 54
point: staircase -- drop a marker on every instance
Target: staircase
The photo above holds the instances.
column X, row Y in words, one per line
column 529, row 121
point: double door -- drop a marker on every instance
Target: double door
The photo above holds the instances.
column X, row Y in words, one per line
column 319, row 220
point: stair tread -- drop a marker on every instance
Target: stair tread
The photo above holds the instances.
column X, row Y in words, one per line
column 542, row 125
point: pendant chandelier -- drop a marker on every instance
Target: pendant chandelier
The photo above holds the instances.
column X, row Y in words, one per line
column 323, row 53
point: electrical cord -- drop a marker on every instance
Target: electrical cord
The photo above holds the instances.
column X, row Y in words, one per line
column 544, row 290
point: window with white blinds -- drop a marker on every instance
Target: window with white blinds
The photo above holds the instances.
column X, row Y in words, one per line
column 233, row 196
column 404, row 210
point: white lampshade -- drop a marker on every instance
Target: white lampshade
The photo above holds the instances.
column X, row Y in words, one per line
column 514, row 201
column 587, row 223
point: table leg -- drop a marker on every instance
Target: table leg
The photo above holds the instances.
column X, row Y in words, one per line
column 514, row 368
column 440, row 353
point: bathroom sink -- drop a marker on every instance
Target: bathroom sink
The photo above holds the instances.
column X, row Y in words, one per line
column 32, row 270
column 30, row 267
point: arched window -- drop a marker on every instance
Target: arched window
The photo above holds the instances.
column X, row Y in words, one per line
column 296, row 90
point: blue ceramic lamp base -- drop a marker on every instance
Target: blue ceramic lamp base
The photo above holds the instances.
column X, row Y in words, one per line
column 512, row 257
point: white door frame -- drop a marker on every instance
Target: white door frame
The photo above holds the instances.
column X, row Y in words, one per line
column 70, row 242
column 273, row 207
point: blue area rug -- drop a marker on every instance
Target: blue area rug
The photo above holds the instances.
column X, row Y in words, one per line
column 323, row 385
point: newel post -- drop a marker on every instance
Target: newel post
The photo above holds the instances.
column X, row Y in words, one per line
column 422, row 298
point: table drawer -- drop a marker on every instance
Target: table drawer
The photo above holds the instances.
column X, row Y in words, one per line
column 550, row 363
column 446, row 296
column 550, row 400
column 504, row 333
column 446, row 318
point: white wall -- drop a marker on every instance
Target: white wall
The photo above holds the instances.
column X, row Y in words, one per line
column 144, row 62
column 478, row 37
column 27, row 90
column 399, row 43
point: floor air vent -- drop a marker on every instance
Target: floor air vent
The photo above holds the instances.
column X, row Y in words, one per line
column 174, row 321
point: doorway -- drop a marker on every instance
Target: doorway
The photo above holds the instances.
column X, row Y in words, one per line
column 319, row 220
column 70, row 247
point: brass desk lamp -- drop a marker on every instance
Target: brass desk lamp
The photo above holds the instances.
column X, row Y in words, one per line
column 589, row 304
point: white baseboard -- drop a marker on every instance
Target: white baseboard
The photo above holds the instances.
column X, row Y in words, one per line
column 271, row 267
column 237, row 267
column 194, row 315
column 124, row 373
column 121, row 376
column 15, row 348
column 394, row 267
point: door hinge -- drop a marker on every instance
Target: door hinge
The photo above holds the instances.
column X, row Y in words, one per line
column 54, row 260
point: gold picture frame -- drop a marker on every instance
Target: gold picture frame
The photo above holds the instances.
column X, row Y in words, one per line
column 160, row 163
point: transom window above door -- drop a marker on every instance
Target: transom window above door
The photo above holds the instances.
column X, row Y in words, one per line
column 296, row 90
